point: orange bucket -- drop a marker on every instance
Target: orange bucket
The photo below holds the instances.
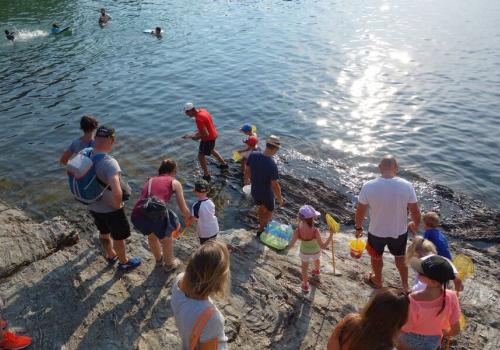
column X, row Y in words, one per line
column 357, row 246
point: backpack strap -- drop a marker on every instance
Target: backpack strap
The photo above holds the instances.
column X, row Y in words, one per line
column 198, row 327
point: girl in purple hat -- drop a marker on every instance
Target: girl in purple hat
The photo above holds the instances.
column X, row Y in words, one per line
column 311, row 244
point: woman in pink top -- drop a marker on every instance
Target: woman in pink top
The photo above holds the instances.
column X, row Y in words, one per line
column 159, row 228
column 435, row 311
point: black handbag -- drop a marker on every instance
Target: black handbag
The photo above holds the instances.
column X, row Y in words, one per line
column 151, row 205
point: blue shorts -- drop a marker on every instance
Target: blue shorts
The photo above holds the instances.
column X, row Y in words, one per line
column 420, row 342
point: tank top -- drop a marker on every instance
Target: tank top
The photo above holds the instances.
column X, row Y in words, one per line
column 161, row 188
column 308, row 247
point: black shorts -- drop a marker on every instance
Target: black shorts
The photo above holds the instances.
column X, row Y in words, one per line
column 114, row 223
column 206, row 147
column 376, row 245
column 268, row 203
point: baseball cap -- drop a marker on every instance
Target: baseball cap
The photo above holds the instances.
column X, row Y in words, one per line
column 105, row 131
column 188, row 106
column 434, row 267
column 201, row 186
column 308, row 212
column 274, row 140
column 251, row 141
column 246, row 128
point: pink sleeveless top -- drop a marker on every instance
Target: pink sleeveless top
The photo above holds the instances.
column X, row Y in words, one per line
column 161, row 188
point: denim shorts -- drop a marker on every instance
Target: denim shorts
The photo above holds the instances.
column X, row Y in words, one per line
column 420, row 342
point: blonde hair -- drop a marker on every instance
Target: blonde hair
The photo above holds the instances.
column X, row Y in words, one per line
column 419, row 248
column 207, row 272
column 431, row 219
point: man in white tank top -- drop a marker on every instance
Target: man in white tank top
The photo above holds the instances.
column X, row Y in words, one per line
column 388, row 198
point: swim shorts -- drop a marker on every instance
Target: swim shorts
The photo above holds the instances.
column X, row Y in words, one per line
column 269, row 204
column 376, row 245
column 114, row 223
column 206, row 147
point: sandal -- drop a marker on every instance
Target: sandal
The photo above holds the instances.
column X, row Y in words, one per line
column 305, row 288
column 368, row 279
column 172, row 266
column 112, row 259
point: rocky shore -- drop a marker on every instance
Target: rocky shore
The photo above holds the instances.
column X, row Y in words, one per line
column 57, row 284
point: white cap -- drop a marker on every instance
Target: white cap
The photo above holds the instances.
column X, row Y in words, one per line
column 188, row 106
column 274, row 140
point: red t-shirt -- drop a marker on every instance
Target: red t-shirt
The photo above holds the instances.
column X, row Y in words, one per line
column 204, row 120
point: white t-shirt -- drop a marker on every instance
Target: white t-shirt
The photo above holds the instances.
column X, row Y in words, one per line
column 186, row 313
column 388, row 200
column 204, row 212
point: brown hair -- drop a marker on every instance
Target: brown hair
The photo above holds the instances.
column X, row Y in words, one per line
column 207, row 272
column 431, row 219
column 378, row 324
column 88, row 123
column 167, row 166
column 420, row 247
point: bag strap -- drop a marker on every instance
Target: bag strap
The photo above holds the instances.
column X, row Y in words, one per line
column 199, row 325
column 149, row 186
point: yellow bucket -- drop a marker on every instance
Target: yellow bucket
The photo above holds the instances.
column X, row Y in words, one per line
column 357, row 246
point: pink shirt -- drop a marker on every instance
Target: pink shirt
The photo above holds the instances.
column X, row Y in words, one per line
column 161, row 188
column 423, row 318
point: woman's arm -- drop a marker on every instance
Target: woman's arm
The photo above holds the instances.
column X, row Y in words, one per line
column 65, row 157
column 181, row 202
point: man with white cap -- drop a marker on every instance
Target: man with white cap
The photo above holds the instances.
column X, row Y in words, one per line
column 389, row 199
column 262, row 172
column 207, row 134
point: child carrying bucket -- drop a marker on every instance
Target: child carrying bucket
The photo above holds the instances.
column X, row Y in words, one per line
column 311, row 244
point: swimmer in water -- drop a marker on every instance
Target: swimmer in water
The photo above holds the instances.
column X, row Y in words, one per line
column 104, row 18
column 156, row 32
column 55, row 28
column 9, row 35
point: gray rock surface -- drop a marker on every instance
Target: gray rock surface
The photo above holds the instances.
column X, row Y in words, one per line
column 69, row 298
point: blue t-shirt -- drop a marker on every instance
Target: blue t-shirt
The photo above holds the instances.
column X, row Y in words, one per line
column 263, row 170
column 437, row 237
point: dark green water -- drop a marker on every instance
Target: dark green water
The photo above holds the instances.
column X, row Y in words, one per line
column 342, row 82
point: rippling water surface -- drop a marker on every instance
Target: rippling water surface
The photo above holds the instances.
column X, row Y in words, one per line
column 342, row 82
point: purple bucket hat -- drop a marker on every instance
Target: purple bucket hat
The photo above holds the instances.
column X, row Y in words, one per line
column 308, row 212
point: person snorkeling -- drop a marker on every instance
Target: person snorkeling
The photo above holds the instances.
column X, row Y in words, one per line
column 9, row 35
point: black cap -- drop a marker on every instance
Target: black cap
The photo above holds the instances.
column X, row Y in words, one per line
column 105, row 131
column 201, row 186
column 434, row 267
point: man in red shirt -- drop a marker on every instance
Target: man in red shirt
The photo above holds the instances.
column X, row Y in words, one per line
column 207, row 134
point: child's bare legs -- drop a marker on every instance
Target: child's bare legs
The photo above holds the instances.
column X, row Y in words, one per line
column 316, row 264
column 305, row 272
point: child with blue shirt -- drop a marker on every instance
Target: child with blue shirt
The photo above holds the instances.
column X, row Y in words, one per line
column 431, row 222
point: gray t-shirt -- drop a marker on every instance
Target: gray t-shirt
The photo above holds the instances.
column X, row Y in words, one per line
column 186, row 313
column 78, row 144
column 105, row 169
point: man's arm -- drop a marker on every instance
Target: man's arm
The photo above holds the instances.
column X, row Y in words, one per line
column 359, row 218
column 415, row 217
column 116, row 191
column 277, row 192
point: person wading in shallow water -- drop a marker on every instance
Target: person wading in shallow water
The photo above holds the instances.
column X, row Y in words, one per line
column 262, row 172
column 207, row 134
column 389, row 199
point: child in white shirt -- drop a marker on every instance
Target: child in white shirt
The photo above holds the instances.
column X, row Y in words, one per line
column 203, row 211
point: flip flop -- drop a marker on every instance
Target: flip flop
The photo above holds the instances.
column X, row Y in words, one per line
column 367, row 278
